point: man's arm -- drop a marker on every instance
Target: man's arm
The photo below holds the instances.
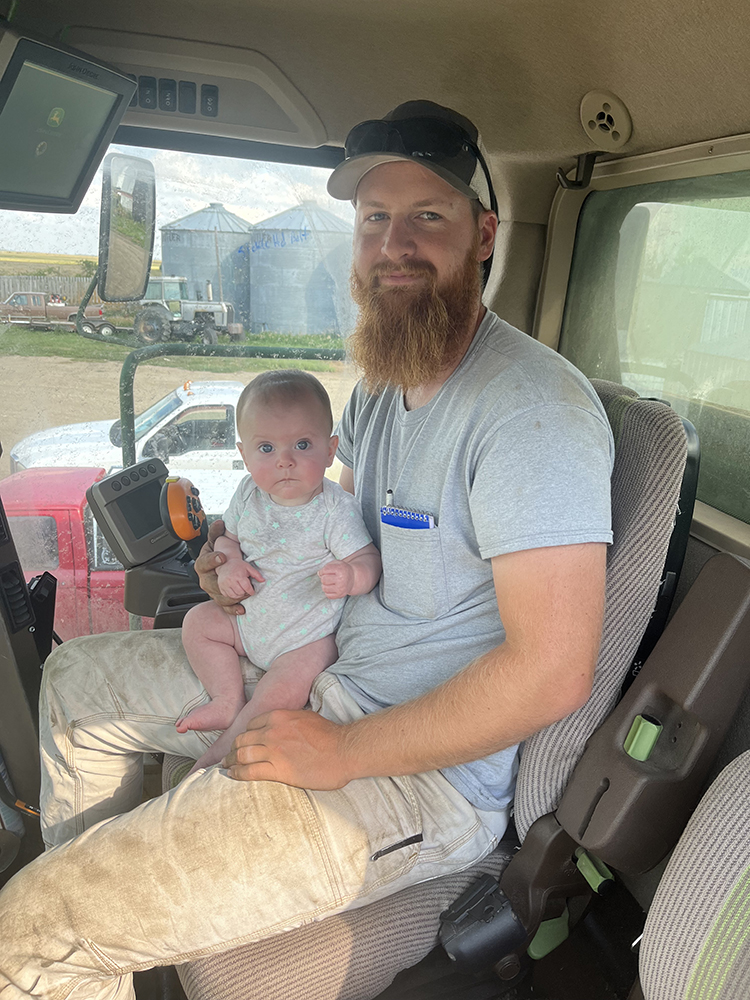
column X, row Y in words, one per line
column 551, row 602
column 346, row 479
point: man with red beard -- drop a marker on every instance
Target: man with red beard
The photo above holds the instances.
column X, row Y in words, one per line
column 482, row 462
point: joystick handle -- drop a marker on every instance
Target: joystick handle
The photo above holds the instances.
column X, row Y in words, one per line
column 182, row 513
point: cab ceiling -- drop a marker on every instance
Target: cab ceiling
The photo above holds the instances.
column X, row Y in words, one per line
column 518, row 68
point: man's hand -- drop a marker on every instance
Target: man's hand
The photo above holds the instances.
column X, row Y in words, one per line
column 206, row 565
column 337, row 579
column 296, row 748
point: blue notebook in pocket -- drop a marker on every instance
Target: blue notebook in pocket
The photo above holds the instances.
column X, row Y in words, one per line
column 406, row 518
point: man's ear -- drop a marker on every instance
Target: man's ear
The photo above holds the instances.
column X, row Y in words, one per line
column 487, row 224
column 332, row 446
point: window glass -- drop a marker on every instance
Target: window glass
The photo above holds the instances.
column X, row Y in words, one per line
column 270, row 251
column 100, row 556
column 659, row 299
column 206, row 428
column 36, row 542
column 172, row 290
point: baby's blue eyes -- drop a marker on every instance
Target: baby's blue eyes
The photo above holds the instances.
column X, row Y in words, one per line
column 266, row 448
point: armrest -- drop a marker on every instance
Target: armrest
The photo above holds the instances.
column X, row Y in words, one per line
column 643, row 770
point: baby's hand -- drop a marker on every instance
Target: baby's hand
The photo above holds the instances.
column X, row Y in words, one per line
column 337, row 579
column 234, row 578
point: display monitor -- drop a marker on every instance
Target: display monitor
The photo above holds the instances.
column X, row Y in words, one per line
column 126, row 508
column 59, row 110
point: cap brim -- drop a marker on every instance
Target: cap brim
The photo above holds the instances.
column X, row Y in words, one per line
column 343, row 182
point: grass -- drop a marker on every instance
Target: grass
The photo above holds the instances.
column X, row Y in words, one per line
column 24, row 342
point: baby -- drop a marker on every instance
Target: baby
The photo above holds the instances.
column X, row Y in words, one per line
column 295, row 547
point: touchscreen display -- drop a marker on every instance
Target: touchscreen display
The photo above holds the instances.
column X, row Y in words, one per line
column 140, row 508
column 52, row 122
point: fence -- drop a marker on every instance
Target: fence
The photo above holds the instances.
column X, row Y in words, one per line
column 73, row 288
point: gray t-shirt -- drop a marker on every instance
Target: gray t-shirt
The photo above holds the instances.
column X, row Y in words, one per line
column 289, row 545
column 514, row 452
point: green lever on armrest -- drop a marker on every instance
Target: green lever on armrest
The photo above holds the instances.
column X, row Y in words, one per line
column 641, row 740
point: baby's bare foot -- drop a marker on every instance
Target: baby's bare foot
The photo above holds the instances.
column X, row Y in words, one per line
column 219, row 713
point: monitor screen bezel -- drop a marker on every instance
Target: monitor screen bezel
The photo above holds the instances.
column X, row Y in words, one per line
column 73, row 65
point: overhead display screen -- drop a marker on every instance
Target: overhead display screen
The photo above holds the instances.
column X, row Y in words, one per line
column 58, row 112
column 51, row 122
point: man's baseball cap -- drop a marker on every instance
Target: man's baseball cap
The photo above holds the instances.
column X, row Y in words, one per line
column 436, row 137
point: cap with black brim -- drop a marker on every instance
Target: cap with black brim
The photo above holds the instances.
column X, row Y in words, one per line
column 343, row 182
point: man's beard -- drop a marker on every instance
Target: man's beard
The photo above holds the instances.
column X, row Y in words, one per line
column 406, row 336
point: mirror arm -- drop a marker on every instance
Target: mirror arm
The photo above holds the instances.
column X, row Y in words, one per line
column 82, row 308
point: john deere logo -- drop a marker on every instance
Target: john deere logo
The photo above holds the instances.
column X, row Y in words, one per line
column 55, row 118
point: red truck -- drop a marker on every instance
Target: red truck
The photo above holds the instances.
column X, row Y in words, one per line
column 54, row 530
column 41, row 310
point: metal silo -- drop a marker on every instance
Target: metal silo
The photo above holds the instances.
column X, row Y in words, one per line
column 202, row 248
column 298, row 265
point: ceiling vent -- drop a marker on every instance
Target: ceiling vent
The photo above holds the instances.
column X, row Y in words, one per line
column 606, row 120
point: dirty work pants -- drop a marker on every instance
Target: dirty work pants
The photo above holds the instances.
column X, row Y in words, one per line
column 210, row 865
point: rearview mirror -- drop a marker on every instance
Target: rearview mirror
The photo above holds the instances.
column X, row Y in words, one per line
column 126, row 227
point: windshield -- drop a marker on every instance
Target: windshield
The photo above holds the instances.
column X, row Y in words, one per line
column 155, row 414
column 246, row 252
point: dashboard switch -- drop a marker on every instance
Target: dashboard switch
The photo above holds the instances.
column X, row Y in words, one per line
column 209, row 100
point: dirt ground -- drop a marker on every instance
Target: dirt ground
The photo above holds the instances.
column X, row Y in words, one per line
column 37, row 393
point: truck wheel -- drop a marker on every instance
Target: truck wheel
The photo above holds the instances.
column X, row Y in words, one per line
column 152, row 326
column 106, row 330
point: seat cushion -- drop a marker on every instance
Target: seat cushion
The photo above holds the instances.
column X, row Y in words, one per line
column 353, row 955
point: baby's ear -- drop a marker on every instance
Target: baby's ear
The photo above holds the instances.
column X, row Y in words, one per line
column 332, row 446
column 240, row 450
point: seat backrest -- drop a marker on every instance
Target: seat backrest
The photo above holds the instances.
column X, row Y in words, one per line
column 696, row 942
column 650, row 453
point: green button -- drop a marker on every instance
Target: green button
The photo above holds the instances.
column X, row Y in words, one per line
column 642, row 737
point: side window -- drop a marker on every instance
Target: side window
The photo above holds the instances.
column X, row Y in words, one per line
column 659, row 299
column 201, row 428
column 20, row 300
column 36, row 542
column 172, row 290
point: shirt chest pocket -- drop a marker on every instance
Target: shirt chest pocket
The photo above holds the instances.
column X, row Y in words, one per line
column 413, row 583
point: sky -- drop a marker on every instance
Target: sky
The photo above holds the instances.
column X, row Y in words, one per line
column 185, row 182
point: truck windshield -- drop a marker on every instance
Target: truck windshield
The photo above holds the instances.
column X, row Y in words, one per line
column 151, row 417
